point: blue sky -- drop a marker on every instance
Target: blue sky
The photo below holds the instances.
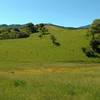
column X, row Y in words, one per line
column 60, row 12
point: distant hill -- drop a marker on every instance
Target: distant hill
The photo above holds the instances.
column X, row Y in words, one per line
column 81, row 27
column 61, row 26
column 35, row 50
column 10, row 26
column 84, row 27
column 48, row 24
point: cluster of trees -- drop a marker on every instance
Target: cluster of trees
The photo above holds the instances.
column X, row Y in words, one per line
column 24, row 31
column 95, row 32
column 21, row 31
column 94, row 49
column 12, row 34
column 42, row 29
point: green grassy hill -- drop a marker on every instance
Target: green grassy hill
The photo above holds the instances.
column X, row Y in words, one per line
column 35, row 69
column 33, row 51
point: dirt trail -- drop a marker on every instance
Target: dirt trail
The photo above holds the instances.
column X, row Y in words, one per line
column 42, row 71
column 48, row 70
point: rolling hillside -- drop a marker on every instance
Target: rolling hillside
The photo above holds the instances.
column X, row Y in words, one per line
column 37, row 51
column 35, row 69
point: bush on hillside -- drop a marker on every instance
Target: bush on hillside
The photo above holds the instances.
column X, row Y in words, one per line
column 22, row 31
column 95, row 44
column 13, row 34
column 54, row 40
column 89, row 52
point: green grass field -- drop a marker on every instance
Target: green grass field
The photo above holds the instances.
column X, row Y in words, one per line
column 35, row 51
column 52, row 83
column 35, row 69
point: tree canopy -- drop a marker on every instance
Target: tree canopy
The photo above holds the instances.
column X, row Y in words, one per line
column 95, row 28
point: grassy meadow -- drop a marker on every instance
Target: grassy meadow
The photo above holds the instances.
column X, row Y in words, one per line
column 52, row 83
column 33, row 51
column 35, row 69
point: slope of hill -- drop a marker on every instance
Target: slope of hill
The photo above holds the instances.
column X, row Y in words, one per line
column 35, row 68
column 84, row 27
column 36, row 51
column 58, row 26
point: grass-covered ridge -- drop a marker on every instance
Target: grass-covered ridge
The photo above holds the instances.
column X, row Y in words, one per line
column 34, row 68
column 36, row 51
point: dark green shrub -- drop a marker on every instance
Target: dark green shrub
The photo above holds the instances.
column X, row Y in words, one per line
column 29, row 28
column 89, row 52
column 23, row 35
column 19, row 83
column 56, row 43
column 95, row 44
column 54, row 40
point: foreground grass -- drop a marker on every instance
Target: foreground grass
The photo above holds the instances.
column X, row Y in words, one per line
column 51, row 83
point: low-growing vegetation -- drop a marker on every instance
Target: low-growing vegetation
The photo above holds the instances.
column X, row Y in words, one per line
column 52, row 83
column 45, row 62
column 19, row 83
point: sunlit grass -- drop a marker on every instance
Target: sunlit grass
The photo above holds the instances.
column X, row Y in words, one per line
column 64, row 83
column 35, row 69
column 34, row 51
